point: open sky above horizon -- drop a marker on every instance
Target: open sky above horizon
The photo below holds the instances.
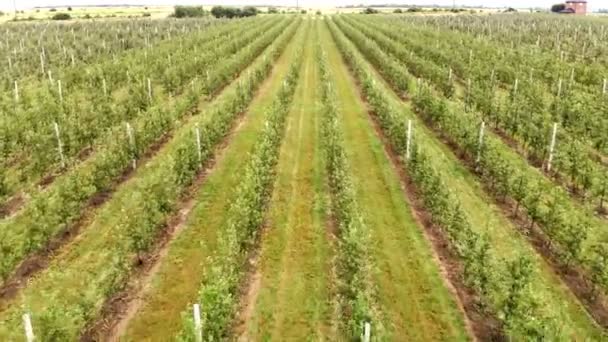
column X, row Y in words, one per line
column 27, row 4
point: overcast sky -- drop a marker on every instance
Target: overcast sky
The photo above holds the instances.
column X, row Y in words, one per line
column 24, row 4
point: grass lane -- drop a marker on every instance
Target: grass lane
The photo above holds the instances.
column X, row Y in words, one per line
column 416, row 303
column 177, row 282
column 293, row 301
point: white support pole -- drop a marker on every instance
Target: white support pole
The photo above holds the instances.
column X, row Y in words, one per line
column 16, row 92
column 198, row 145
column 60, row 91
column 29, row 331
column 571, row 76
column 131, row 138
column 367, row 332
column 198, row 325
column 559, row 88
column 10, row 63
column 552, row 146
column 480, row 142
column 59, row 144
column 450, row 75
column 50, row 76
column 105, row 87
column 515, row 86
column 605, row 87
column 42, row 64
column 409, row 140
column 149, row 90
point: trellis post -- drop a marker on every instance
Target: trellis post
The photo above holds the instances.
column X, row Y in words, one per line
column 552, row 146
column 198, row 326
column 59, row 144
column 27, row 325
column 480, row 142
column 408, row 144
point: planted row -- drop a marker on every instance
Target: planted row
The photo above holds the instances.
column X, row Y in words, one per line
column 71, row 292
column 572, row 159
column 503, row 286
column 218, row 293
column 56, row 209
column 358, row 299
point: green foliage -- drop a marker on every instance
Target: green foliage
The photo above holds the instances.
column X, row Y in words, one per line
column 219, row 290
column 359, row 297
column 232, row 12
column 188, row 11
column 517, row 308
column 398, row 11
column 273, row 10
column 61, row 16
column 60, row 205
column 370, row 10
column 558, row 7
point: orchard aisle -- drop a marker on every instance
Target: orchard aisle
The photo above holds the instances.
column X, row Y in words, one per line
column 176, row 284
column 289, row 293
column 412, row 294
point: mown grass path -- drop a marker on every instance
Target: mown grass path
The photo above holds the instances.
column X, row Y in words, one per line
column 293, row 299
column 413, row 296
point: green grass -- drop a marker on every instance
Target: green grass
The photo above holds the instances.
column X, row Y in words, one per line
column 169, row 293
column 294, row 298
column 505, row 239
column 413, row 297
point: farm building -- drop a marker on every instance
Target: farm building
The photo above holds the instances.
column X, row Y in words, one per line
column 576, row 6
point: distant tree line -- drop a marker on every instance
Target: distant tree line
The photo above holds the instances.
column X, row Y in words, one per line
column 233, row 12
column 188, row 11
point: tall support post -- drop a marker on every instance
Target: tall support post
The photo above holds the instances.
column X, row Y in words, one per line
column 16, row 91
column 198, row 145
column 59, row 144
column 131, row 137
column 198, row 325
column 60, row 89
column 149, row 90
column 367, row 332
column 408, row 145
column 27, row 326
column 480, row 141
column 552, row 147
column 559, row 88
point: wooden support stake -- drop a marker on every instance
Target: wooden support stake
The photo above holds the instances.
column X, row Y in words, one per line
column 149, row 90
column 131, row 137
column 59, row 144
column 198, row 145
column 105, row 87
column 559, row 88
column 552, row 147
column 367, row 332
column 42, row 64
column 480, row 142
column 409, row 140
column 29, row 331
column 60, row 91
column 605, row 87
column 198, row 326
column 16, row 92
